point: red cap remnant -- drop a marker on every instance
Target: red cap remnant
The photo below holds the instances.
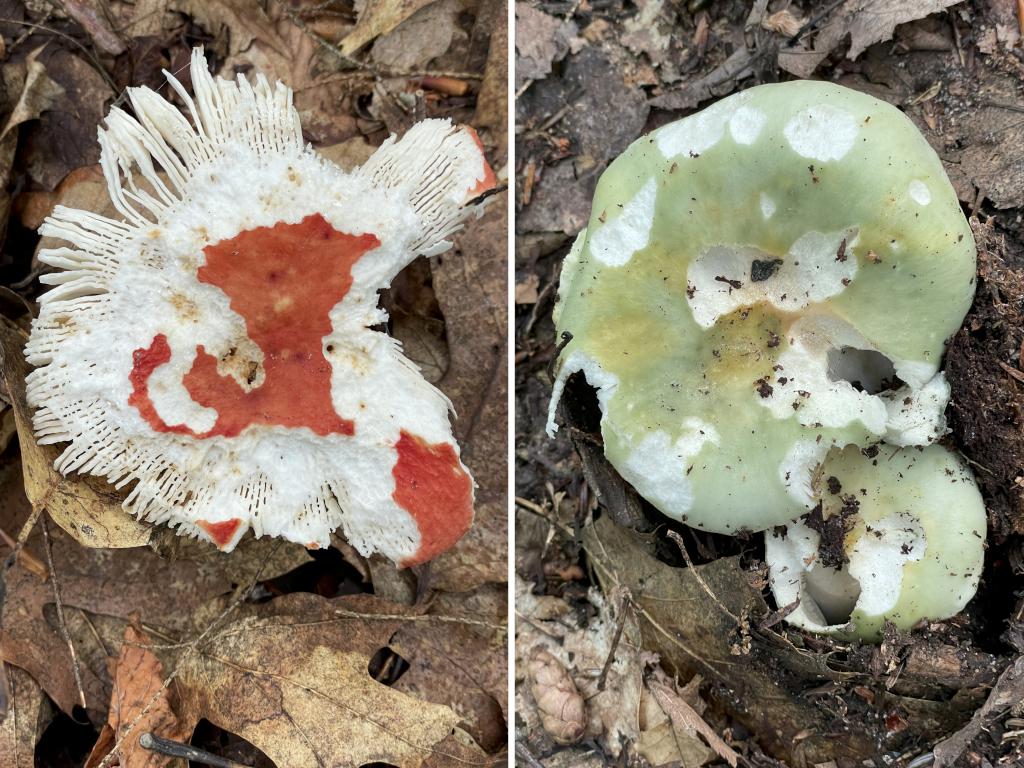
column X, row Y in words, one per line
column 431, row 484
column 489, row 180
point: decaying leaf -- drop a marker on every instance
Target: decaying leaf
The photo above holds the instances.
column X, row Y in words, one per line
column 378, row 17
column 38, row 92
column 865, row 21
column 22, row 719
column 140, row 699
column 660, row 743
column 294, row 682
column 88, row 508
column 687, row 720
column 692, row 632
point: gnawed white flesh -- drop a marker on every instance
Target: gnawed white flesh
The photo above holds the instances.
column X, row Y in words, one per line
column 915, row 544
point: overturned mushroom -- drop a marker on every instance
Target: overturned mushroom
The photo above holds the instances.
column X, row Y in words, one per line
column 896, row 536
column 760, row 283
column 214, row 347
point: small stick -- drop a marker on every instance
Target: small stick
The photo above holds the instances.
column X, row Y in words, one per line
column 60, row 616
column 176, row 749
column 626, row 603
column 27, row 558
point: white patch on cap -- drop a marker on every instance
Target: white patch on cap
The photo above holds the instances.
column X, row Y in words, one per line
column 767, row 206
column 919, row 192
column 615, row 243
column 877, row 559
column 818, row 391
column 822, row 132
column 172, row 400
column 917, row 417
column 809, row 273
column 695, row 134
column 657, row 468
column 604, row 382
column 746, row 123
column 798, row 467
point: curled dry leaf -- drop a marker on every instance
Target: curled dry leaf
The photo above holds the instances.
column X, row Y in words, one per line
column 87, row 508
column 378, row 17
column 563, row 712
column 38, row 92
column 138, row 693
column 294, row 682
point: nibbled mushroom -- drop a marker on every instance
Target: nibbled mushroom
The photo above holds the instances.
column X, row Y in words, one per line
column 214, row 347
column 897, row 537
column 759, row 283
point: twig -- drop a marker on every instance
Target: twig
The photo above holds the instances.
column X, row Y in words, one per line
column 813, row 21
column 27, row 558
column 177, row 749
column 523, row 755
column 626, row 603
column 75, row 668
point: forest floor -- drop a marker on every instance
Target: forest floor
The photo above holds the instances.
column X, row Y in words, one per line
column 673, row 669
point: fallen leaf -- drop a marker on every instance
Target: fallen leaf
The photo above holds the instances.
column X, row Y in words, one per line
column 684, row 718
column 866, row 22
column 87, row 507
column 378, row 17
column 92, row 19
column 65, row 136
column 471, row 287
column 38, row 92
column 491, row 115
column 423, row 343
column 294, row 682
column 660, row 744
column 541, row 41
column 526, row 291
column 461, row 659
column 423, row 36
column 96, row 585
column 691, row 632
column 24, row 718
column 241, row 20
column 140, row 699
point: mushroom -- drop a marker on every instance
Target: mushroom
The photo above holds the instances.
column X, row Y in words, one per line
column 760, row 283
column 215, row 347
column 896, row 536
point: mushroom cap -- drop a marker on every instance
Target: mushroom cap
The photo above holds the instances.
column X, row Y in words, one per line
column 214, row 347
column 915, row 541
column 741, row 270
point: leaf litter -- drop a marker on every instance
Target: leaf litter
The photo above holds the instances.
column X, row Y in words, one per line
column 703, row 613
column 270, row 654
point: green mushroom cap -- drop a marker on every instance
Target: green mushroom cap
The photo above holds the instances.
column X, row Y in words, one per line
column 759, row 283
column 908, row 530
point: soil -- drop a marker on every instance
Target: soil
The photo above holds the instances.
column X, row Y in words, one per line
column 943, row 694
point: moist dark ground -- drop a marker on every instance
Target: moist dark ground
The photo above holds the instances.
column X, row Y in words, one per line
column 608, row 71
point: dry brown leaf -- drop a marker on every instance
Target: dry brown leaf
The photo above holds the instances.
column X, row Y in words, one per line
column 423, row 343
column 138, row 693
column 866, row 22
column 661, row 744
column 684, row 718
column 87, row 507
column 96, row 585
column 38, row 92
column 242, row 20
column 376, row 18
column 423, row 36
column 294, row 683
column 471, row 287
column 464, row 665
column 65, row 136
column 26, row 714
